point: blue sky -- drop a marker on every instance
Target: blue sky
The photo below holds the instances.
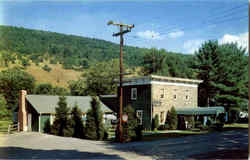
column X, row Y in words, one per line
column 175, row 25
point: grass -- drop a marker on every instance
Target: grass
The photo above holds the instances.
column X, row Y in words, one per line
column 58, row 76
column 159, row 135
column 4, row 126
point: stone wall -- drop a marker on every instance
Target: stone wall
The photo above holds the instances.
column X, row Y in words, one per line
column 165, row 96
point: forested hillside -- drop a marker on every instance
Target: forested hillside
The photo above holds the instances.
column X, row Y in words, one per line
column 75, row 52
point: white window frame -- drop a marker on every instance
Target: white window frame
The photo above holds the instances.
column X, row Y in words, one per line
column 132, row 95
column 139, row 115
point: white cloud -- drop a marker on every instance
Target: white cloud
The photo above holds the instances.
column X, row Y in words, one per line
column 176, row 34
column 191, row 46
column 149, row 35
column 240, row 39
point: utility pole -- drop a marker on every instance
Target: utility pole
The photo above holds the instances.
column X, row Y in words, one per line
column 121, row 33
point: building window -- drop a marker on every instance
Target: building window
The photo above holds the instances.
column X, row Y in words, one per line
column 162, row 117
column 162, row 93
column 134, row 93
column 187, row 97
column 175, row 96
column 139, row 116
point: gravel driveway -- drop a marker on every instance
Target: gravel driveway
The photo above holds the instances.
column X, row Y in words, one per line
column 230, row 144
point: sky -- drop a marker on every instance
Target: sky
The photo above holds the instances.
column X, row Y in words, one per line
column 174, row 25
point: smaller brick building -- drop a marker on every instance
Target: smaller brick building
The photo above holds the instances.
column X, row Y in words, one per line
column 153, row 95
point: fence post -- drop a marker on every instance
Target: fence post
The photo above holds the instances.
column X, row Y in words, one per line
column 9, row 129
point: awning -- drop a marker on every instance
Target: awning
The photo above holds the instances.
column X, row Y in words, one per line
column 200, row 110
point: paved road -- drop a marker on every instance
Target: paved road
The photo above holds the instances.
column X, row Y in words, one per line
column 231, row 144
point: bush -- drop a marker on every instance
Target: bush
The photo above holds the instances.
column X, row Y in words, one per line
column 163, row 127
column 155, row 123
column 46, row 68
column 172, row 119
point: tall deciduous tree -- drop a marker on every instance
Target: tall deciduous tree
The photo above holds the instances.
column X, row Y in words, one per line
column 4, row 113
column 94, row 124
column 62, row 125
column 153, row 61
column 12, row 81
column 100, row 78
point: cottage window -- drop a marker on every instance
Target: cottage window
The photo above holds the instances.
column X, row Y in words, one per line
column 162, row 93
column 134, row 93
column 139, row 116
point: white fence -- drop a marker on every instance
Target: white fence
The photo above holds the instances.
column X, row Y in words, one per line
column 13, row 128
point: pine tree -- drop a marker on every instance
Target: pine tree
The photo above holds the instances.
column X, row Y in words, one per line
column 223, row 69
column 77, row 122
column 94, row 124
column 62, row 125
column 172, row 118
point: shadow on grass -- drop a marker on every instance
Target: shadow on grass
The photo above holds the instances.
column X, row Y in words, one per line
column 27, row 153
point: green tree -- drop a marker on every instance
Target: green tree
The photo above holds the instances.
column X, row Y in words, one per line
column 223, row 69
column 172, row 118
column 100, row 78
column 153, row 61
column 4, row 113
column 155, row 123
column 77, row 122
column 60, row 91
column 44, row 88
column 46, row 68
column 94, row 124
column 77, row 87
column 62, row 125
column 12, row 81
column 7, row 57
column 131, row 126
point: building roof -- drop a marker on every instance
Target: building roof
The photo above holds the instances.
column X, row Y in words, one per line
column 159, row 79
column 200, row 110
column 48, row 103
column 112, row 101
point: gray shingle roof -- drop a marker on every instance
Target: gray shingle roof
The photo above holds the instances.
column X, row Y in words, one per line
column 200, row 110
column 47, row 103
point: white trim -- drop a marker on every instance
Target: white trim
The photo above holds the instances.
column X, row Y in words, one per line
column 39, row 125
column 174, row 84
column 145, row 82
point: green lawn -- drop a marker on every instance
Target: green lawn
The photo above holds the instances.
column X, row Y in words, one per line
column 158, row 135
column 164, row 134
